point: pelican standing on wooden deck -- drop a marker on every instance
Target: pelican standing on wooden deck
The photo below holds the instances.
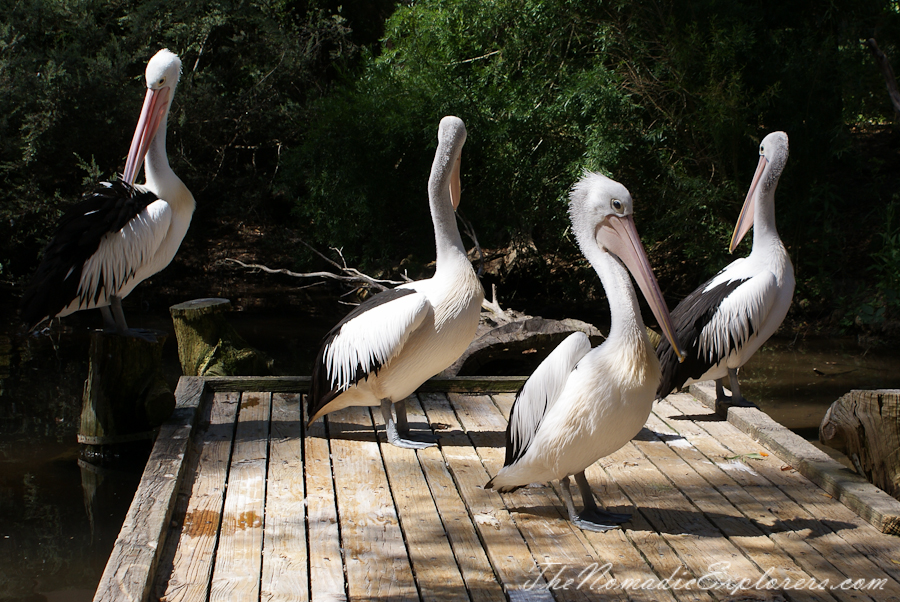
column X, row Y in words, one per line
column 582, row 404
column 722, row 323
column 384, row 349
column 120, row 234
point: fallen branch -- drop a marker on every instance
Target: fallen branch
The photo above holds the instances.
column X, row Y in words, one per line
column 494, row 307
column 354, row 277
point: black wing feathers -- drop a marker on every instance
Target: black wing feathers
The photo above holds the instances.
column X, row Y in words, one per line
column 55, row 284
column 322, row 390
column 689, row 319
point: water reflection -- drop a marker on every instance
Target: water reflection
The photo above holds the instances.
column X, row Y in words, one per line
column 796, row 381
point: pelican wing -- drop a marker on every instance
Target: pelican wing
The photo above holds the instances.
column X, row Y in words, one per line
column 125, row 253
column 59, row 280
column 540, row 392
column 739, row 315
column 365, row 340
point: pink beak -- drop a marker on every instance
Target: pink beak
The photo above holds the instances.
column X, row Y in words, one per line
column 455, row 184
column 620, row 236
column 152, row 114
column 745, row 219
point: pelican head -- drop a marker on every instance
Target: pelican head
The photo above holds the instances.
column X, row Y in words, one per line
column 451, row 138
column 773, row 154
column 602, row 214
column 162, row 75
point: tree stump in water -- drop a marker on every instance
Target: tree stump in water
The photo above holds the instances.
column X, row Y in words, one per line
column 125, row 395
column 865, row 425
column 209, row 346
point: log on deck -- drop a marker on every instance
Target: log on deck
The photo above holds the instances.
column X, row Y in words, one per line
column 241, row 501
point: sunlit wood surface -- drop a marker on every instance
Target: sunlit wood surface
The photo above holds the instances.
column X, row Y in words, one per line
column 258, row 507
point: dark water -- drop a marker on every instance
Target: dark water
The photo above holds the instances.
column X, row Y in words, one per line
column 59, row 516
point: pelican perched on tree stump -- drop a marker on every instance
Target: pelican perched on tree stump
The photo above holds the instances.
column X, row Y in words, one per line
column 122, row 233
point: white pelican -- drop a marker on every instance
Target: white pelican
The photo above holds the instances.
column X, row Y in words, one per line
column 724, row 321
column 120, row 234
column 384, row 349
column 582, row 404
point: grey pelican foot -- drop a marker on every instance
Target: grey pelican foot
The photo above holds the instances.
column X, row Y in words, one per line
column 591, row 518
column 394, row 429
column 723, row 402
column 114, row 321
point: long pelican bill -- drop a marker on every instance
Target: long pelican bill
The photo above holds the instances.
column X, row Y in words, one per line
column 745, row 219
column 620, row 236
column 455, row 184
column 152, row 113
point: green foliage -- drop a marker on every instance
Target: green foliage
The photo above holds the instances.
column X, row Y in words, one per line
column 671, row 98
column 71, row 73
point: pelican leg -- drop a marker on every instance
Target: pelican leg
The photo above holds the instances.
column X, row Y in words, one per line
column 590, row 505
column 585, row 520
column 121, row 327
column 109, row 323
column 116, row 304
column 723, row 402
column 390, row 427
column 403, row 424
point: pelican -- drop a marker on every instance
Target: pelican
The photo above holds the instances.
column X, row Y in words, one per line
column 582, row 404
column 393, row 342
column 120, row 234
column 724, row 321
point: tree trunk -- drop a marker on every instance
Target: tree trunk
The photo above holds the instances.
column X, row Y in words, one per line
column 125, row 395
column 209, row 346
column 865, row 425
column 890, row 81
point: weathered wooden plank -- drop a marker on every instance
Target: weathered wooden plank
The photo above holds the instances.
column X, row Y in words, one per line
column 774, row 563
column 504, row 545
column 785, row 522
column 539, row 515
column 471, row 559
column 185, row 570
column 135, row 555
column 300, row 384
column 284, row 562
column 236, row 573
column 326, row 563
column 855, row 492
column 437, row 575
column 858, row 548
column 375, row 555
column 698, row 542
column 651, row 552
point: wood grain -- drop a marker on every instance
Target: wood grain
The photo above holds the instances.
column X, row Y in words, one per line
column 236, row 572
column 135, row 555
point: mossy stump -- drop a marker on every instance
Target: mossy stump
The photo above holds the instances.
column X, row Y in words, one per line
column 209, row 346
column 125, row 395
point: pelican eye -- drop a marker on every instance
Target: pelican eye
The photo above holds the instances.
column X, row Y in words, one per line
column 161, row 81
column 617, row 205
column 762, row 149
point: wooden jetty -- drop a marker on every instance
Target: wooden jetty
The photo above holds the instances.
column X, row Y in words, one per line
column 240, row 501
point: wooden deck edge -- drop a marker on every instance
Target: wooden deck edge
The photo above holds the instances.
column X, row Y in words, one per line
column 300, row 384
column 865, row 499
column 132, row 564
